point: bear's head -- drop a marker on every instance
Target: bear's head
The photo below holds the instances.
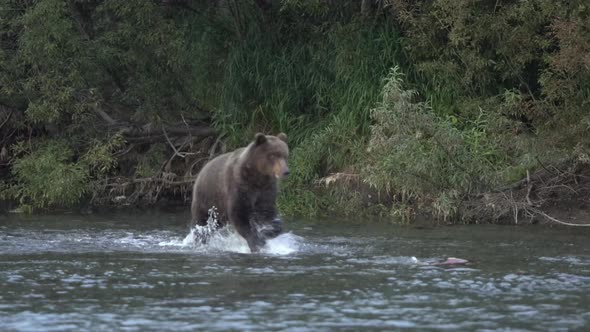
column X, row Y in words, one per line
column 268, row 155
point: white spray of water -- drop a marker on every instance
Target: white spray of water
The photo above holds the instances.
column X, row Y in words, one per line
column 283, row 244
column 212, row 238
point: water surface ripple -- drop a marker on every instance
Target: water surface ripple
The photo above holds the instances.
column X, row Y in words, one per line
column 142, row 273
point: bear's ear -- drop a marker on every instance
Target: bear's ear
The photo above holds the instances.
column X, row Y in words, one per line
column 282, row 137
column 259, row 138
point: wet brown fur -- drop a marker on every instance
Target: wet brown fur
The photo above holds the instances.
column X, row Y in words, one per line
column 243, row 186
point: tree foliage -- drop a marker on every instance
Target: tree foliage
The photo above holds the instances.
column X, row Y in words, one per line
column 128, row 98
column 83, row 73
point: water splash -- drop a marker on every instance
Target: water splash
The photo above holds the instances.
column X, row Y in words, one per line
column 202, row 234
column 283, row 244
column 213, row 237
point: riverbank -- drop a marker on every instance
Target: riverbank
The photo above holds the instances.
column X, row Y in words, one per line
column 390, row 110
column 557, row 197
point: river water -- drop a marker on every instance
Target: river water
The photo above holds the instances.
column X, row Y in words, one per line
column 124, row 272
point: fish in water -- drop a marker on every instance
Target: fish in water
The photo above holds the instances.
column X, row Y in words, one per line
column 451, row 261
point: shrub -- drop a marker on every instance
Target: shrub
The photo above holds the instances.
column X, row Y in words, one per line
column 424, row 157
column 48, row 178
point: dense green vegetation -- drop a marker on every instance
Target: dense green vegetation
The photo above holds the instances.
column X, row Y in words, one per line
column 391, row 107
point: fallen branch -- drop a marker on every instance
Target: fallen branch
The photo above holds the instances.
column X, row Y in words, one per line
column 541, row 213
column 6, row 120
column 103, row 115
column 147, row 132
column 214, row 147
column 124, row 152
column 167, row 164
column 176, row 153
column 146, row 180
column 190, row 169
column 542, row 165
column 148, row 135
column 188, row 129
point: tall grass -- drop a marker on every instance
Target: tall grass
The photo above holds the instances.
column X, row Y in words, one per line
column 318, row 87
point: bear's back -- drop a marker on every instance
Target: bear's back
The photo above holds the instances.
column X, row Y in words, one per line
column 211, row 189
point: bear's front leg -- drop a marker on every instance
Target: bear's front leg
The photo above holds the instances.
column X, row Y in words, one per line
column 265, row 216
column 241, row 221
column 255, row 241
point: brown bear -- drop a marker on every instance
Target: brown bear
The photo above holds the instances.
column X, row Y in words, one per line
column 242, row 185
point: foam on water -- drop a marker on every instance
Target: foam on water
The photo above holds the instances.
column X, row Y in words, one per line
column 227, row 239
column 212, row 238
column 224, row 239
column 283, row 244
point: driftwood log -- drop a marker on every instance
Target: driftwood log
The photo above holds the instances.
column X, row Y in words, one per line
column 192, row 143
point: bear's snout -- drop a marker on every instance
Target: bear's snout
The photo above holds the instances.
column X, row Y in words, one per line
column 281, row 169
